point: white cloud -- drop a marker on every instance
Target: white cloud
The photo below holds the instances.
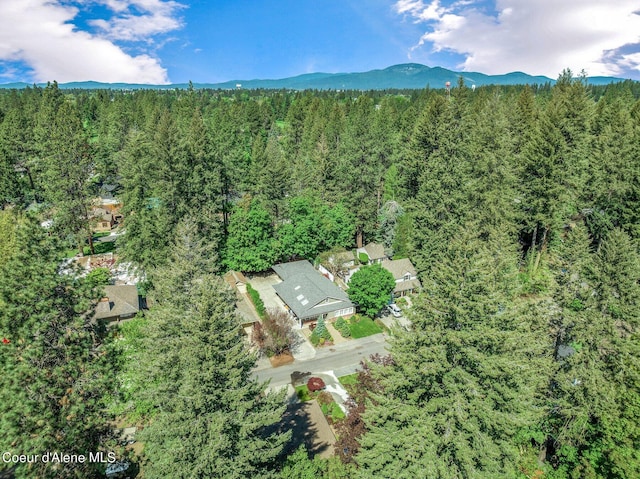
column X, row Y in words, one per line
column 535, row 36
column 419, row 10
column 631, row 61
column 158, row 16
column 40, row 33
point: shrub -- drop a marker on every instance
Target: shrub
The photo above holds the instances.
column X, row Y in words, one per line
column 315, row 384
column 257, row 301
column 303, row 393
column 275, row 335
column 320, row 332
column 324, row 397
column 99, row 277
column 363, row 258
column 343, row 326
column 258, row 336
column 402, row 301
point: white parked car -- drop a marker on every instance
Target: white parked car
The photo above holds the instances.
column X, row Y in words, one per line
column 393, row 309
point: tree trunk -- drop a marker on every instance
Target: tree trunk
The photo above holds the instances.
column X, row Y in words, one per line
column 543, row 246
column 532, row 248
column 91, row 248
column 359, row 237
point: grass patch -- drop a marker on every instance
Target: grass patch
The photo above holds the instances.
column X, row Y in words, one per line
column 348, row 379
column 303, row 393
column 333, row 411
column 363, row 326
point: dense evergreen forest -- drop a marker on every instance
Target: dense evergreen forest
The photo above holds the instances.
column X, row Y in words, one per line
column 519, row 206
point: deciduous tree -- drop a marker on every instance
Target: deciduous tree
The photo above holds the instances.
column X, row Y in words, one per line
column 370, row 288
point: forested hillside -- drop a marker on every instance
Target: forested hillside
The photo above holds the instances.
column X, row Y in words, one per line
column 519, row 206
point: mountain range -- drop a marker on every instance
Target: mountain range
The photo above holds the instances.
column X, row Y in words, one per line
column 404, row 76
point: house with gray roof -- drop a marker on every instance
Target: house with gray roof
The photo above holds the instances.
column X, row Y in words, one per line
column 308, row 295
column 119, row 302
column 405, row 275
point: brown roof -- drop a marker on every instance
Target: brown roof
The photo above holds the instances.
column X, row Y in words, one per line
column 375, row 251
column 412, row 284
column 399, row 267
column 103, row 214
column 119, row 300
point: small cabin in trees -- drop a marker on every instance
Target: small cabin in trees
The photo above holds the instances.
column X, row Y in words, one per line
column 103, row 219
column 119, row 302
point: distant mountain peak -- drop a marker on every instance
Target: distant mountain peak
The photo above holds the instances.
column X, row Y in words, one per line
column 403, row 76
column 407, row 68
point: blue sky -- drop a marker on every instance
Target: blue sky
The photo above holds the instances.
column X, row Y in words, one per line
column 174, row 41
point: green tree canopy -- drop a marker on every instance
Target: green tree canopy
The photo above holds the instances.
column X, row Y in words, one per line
column 250, row 244
column 370, row 288
column 53, row 377
column 465, row 380
column 210, row 416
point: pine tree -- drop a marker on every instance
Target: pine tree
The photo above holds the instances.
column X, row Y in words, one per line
column 250, row 245
column 53, row 376
column 361, row 170
column 595, row 393
column 465, row 381
column 211, row 418
column 67, row 164
column 148, row 224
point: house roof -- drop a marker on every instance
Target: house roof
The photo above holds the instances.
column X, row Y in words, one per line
column 342, row 257
column 410, row 285
column 119, row 300
column 399, row 267
column 375, row 251
column 102, row 213
column 307, row 292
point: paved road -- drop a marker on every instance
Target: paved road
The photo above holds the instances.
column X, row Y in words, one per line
column 343, row 358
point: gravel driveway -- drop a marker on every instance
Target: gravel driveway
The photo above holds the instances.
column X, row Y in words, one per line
column 264, row 286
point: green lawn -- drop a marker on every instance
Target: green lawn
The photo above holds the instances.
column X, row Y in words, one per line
column 333, row 411
column 362, row 326
column 124, row 400
column 348, row 379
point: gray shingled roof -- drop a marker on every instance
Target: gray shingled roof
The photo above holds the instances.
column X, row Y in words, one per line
column 307, row 292
column 121, row 300
column 399, row 267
